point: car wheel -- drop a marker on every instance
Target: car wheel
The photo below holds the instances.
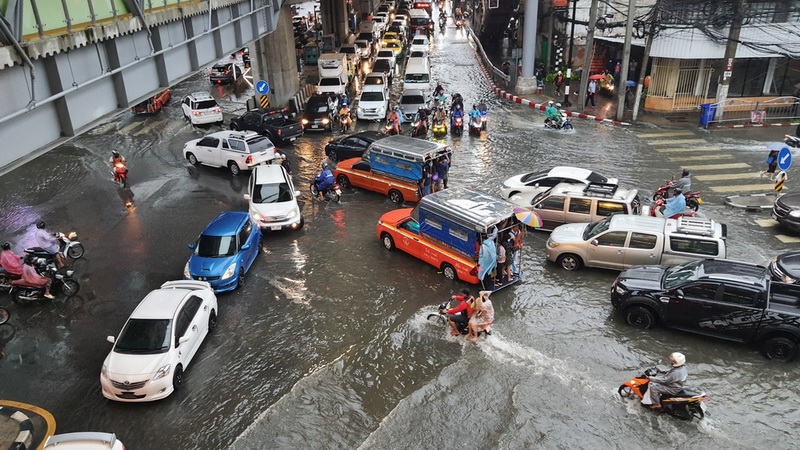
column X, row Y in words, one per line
column 780, row 348
column 212, row 321
column 569, row 262
column 343, row 181
column 192, row 159
column 234, row 168
column 333, row 157
column 640, row 317
column 240, row 278
column 395, row 196
column 387, row 240
column 177, row 377
column 4, row 315
column 449, row 272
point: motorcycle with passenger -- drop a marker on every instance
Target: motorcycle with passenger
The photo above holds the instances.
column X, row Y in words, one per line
column 686, row 404
column 693, row 199
column 391, row 128
column 658, row 210
column 565, row 123
column 25, row 294
column 441, row 318
column 419, row 127
column 439, row 128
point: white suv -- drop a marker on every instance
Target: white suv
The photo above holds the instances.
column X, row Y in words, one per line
column 236, row 150
column 273, row 199
column 200, row 109
column 373, row 103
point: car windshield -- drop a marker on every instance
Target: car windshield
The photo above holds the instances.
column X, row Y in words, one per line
column 680, row 274
column 272, row 193
column 412, row 100
column 385, row 54
column 417, row 54
column 378, row 81
column 347, row 50
column 260, row 144
column 417, row 78
column 206, row 104
column 597, row 178
column 596, row 228
column 372, row 96
column 144, row 336
column 318, row 107
column 532, row 176
column 330, row 82
column 215, row 246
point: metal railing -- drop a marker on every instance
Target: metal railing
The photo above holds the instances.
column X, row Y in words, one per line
column 500, row 79
column 756, row 112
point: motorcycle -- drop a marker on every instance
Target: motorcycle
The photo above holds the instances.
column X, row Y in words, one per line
column 419, row 128
column 693, row 199
column 4, row 315
column 564, row 125
column 658, row 209
column 6, row 279
column 463, row 328
column 120, row 174
column 791, row 141
column 331, row 194
column 70, row 247
column 345, row 122
column 442, row 23
column 24, row 294
column 390, row 129
column 484, row 116
column 475, row 125
column 459, row 22
column 685, row 404
column 439, row 128
column 457, row 126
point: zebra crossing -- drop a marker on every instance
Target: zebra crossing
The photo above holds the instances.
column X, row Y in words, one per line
column 714, row 169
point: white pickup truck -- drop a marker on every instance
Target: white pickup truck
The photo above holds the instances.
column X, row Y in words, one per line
column 236, row 150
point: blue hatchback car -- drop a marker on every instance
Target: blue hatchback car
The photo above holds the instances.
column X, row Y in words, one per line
column 224, row 251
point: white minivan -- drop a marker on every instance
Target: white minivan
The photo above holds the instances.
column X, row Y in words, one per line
column 273, row 199
column 418, row 75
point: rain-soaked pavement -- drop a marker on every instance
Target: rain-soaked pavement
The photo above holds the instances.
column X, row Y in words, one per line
column 327, row 345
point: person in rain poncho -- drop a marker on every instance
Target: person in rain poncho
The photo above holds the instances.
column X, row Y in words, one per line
column 487, row 260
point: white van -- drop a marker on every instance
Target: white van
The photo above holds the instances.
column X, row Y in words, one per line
column 334, row 65
column 418, row 75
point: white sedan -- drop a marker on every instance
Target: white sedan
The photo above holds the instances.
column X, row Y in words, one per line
column 158, row 342
column 236, row 150
column 532, row 183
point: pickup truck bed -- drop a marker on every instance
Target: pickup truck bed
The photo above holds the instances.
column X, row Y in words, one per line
column 270, row 123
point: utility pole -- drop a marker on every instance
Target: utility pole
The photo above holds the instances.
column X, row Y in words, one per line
column 646, row 59
column 569, row 55
column 626, row 59
column 589, row 52
column 730, row 55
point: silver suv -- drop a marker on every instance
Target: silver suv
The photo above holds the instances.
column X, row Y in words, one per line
column 580, row 203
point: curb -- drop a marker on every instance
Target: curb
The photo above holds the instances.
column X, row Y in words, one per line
column 756, row 125
column 25, row 435
column 531, row 103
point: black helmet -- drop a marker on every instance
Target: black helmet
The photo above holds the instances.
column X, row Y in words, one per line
column 474, row 106
column 114, row 153
column 676, row 191
column 40, row 224
column 7, row 246
column 685, row 173
column 465, row 292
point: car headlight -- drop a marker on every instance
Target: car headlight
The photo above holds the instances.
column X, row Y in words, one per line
column 292, row 213
column 795, row 213
column 161, row 372
column 304, row 121
column 229, row 271
column 551, row 244
column 257, row 217
column 360, row 109
column 186, row 273
column 325, row 121
column 104, row 371
column 620, row 290
column 788, row 279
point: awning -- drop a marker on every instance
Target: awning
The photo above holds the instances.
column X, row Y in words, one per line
column 621, row 41
column 758, row 41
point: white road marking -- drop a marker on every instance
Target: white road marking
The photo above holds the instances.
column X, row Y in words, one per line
column 665, row 134
column 130, row 127
column 766, row 223
column 678, row 141
column 719, row 166
column 727, row 176
column 700, row 148
column 743, row 188
column 788, row 239
column 701, row 157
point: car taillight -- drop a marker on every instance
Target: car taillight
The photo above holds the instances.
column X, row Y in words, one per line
column 280, row 132
column 249, row 160
column 227, row 71
column 217, row 109
column 195, row 113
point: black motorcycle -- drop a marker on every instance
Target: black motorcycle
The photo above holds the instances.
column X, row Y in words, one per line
column 441, row 318
column 63, row 283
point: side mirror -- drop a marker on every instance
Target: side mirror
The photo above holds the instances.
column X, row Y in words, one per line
column 679, row 293
column 110, row 339
column 191, row 246
column 183, row 339
column 536, row 185
column 595, row 242
column 245, row 246
column 247, row 196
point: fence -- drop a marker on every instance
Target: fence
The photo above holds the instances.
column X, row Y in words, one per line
column 748, row 111
column 500, row 79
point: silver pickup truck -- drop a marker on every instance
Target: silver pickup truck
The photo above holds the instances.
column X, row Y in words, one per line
column 621, row 241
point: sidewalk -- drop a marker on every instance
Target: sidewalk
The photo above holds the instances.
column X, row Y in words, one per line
column 24, row 426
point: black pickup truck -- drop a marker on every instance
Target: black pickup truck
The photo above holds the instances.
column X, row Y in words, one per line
column 714, row 297
column 271, row 123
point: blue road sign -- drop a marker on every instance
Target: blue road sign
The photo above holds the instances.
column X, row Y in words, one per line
column 785, row 158
column 262, row 87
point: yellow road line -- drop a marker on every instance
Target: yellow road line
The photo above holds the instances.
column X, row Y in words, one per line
column 51, row 421
column 787, row 239
column 766, row 223
column 666, row 134
column 743, row 188
column 727, row 176
column 130, row 127
column 719, row 166
column 699, row 148
column 678, row 141
column 700, row 158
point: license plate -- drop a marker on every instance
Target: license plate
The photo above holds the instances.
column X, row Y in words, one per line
column 275, row 228
column 338, row 192
column 292, row 139
column 699, row 200
column 314, row 126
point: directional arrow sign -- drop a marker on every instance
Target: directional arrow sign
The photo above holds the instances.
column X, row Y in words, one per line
column 785, row 158
column 262, row 87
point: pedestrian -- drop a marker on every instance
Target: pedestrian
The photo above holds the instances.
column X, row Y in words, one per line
column 558, row 81
column 772, row 164
column 442, row 166
column 590, row 91
column 633, row 68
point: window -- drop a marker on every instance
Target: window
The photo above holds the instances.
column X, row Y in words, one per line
column 739, row 295
column 612, row 239
column 372, row 96
column 206, row 104
column 458, row 234
column 208, row 141
column 609, row 208
column 411, row 226
column 643, row 241
column 272, row 193
column 703, row 291
column 580, row 206
column 417, row 78
column 259, row 144
column 181, row 325
column 215, row 246
column 244, row 234
column 433, row 223
column 696, row 246
column 236, row 144
column 192, row 306
column 552, row 204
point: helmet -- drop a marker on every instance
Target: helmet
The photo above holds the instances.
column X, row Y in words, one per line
column 676, row 191
column 114, row 153
column 550, row 103
column 40, row 224
column 325, row 165
column 396, row 108
column 420, row 108
column 7, row 246
column 677, row 359
column 465, row 292
column 685, row 173
column 283, row 156
column 558, row 105
column 474, row 106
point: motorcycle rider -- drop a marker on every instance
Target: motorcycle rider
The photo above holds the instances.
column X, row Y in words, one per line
column 552, row 113
column 439, row 90
column 675, row 205
column 116, row 158
column 396, row 119
column 344, row 117
column 670, row 382
column 323, row 180
column 685, row 183
column 457, row 113
column 10, row 261
column 461, row 313
column 32, row 278
column 458, row 100
column 49, row 242
column 475, row 116
column 439, row 115
column 422, row 117
column 344, row 101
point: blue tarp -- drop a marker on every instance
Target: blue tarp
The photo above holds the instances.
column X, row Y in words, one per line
column 460, row 238
column 394, row 166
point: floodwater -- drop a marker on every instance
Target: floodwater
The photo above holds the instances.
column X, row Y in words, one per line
column 327, row 345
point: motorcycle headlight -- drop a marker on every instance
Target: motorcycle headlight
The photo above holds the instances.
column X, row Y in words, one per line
column 186, row 273
column 161, row 372
column 229, row 271
column 795, row 213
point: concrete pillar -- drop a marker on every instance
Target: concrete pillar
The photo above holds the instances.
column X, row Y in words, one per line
column 526, row 84
column 275, row 61
column 334, row 19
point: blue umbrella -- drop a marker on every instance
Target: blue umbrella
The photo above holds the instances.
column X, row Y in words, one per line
column 777, row 146
column 630, row 83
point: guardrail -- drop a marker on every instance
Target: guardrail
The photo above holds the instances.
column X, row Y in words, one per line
column 735, row 111
column 499, row 78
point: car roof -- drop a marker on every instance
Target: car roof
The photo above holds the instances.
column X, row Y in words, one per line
column 244, row 135
column 318, row 99
column 723, row 269
column 226, row 223
column 160, row 304
column 414, row 92
column 569, row 172
column 633, row 222
column 470, row 208
column 81, row 441
column 579, row 190
column 200, row 96
column 269, row 174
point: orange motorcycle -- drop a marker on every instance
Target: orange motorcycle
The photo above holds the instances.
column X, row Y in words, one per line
column 685, row 404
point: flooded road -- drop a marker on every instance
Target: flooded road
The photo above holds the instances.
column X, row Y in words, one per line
column 327, row 345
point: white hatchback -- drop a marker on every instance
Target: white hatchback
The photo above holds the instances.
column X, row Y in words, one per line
column 158, row 342
column 273, row 199
column 532, row 183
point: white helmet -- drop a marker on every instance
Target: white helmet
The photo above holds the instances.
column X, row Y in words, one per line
column 677, row 359
column 558, row 105
column 549, row 103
